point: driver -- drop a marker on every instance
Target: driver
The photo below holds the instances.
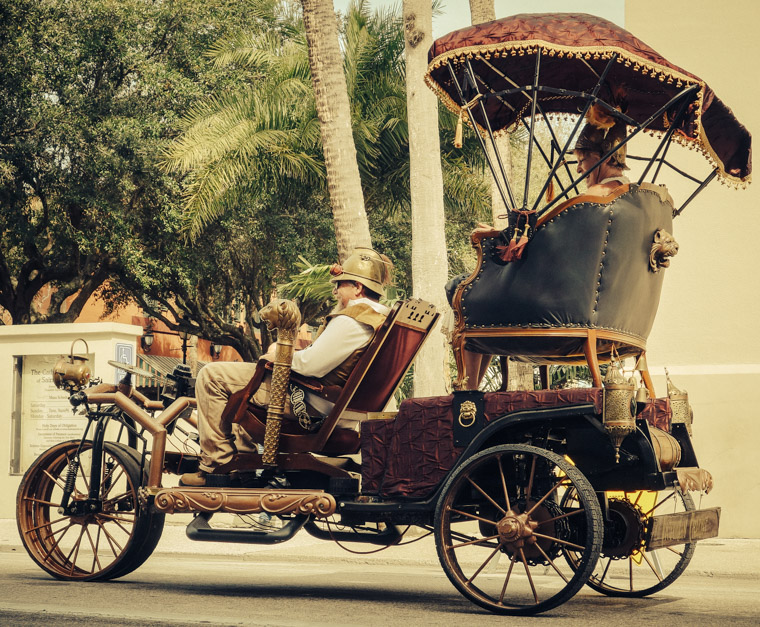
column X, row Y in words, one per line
column 357, row 288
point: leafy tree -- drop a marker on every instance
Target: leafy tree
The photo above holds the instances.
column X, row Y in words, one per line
column 89, row 92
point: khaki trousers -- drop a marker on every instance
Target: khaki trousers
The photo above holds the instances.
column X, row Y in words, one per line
column 215, row 384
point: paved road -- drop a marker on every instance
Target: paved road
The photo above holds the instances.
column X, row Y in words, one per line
column 307, row 582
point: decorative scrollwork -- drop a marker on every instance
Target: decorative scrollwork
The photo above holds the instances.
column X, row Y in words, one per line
column 663, row 248
column 244, row 501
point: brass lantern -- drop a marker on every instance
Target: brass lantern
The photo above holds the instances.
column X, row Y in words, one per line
column 619, row 412
column 679, row 405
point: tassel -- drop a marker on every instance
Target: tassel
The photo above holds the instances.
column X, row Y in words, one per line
column 517, row 252
column 458, row 133
column 550, row 191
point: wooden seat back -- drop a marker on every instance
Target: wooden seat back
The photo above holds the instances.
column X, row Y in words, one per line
column 369, row 388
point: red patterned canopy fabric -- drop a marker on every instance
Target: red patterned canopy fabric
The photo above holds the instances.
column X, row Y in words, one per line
column 575, row 48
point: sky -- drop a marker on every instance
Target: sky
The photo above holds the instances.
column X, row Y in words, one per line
column 456, row 13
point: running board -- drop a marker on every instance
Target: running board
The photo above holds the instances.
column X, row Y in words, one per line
column 200, row 530
column 388, row 537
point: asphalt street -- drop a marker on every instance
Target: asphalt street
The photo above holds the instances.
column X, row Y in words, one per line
column 308, row 581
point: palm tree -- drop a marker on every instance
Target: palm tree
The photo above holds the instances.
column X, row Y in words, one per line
column 429, row 255
column 334, row 111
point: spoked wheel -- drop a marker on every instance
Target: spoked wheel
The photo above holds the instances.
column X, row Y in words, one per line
column 102, row 538
column 500, row 528
column 626, row 568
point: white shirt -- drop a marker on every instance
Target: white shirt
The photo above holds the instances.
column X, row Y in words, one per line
column 341, row 337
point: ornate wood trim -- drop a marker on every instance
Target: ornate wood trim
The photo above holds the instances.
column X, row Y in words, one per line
column 243, row 501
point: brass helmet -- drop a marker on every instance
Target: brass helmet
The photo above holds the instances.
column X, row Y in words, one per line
column 365, row 266
column 602, row 140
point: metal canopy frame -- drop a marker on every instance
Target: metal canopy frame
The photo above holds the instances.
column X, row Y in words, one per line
column 474, row 91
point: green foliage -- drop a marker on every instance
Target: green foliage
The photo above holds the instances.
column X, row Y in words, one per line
column 89, row 92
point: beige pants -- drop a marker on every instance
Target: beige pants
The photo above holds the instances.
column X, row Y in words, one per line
column 215, row 384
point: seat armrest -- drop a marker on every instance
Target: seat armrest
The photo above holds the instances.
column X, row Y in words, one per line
column 478, row 235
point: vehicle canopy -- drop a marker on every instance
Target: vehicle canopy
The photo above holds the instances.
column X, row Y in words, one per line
column 499, row 73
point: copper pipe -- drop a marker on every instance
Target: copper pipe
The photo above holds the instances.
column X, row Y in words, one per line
column 145, row 401
column 100, row 388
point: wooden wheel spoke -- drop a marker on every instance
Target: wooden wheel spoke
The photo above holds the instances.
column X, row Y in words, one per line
column 554, row 488
column 31, row 499
column 125, row 517
column 504, row 485
column 483, row 541
column 75, row 551
column 83, row 474
column 606, row 568
column 566, row 515
column 483, row 565
column 54, row 479
column 483, row 492
column 512, row 562
column 117, row 521
column 55, row 544
column 472, row 516
column 563, row 542
column 94, row 547
column 112, row 542
column 672, row 550
column 530, row 479
column 112, row 481
column 665, row 500
column 530, row 578
column 551, row 562
column 49, row 525
column 649, row 563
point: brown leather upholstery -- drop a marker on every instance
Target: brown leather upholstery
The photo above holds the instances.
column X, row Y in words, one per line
column 369, row 387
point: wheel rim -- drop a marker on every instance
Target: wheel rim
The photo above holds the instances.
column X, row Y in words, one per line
column 625, row 567
column 501, row 529
column 87, row 545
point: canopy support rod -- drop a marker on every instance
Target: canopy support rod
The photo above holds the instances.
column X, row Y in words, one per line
column 704, row 184
column 664, row 143
column 686, row 175
column 534, row 99
column 555, row 146
column 561, row 156
column 548, row 160
column 496, row 152
column 555, row 143
column 609, row 153
column 480, row 138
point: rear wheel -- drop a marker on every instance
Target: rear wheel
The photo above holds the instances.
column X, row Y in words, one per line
column 501, row 525
column 626, row 568
column 94, row 539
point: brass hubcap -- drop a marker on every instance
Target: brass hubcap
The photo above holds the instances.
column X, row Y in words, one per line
column 516, row 530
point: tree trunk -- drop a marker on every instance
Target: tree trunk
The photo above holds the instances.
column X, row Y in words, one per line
column 429, row 258
column 331, row 96
column 483, row 11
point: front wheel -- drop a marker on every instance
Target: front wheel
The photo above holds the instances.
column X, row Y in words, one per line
column 93, row 539
column 501, row 529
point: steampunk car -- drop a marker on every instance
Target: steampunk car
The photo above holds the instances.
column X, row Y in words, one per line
column 529, row 494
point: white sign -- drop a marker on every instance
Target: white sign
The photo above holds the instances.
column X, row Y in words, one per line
column 124, row 354
column 47, row 417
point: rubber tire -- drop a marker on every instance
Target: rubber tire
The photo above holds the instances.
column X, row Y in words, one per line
column 594, row 530
column 34, row 508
